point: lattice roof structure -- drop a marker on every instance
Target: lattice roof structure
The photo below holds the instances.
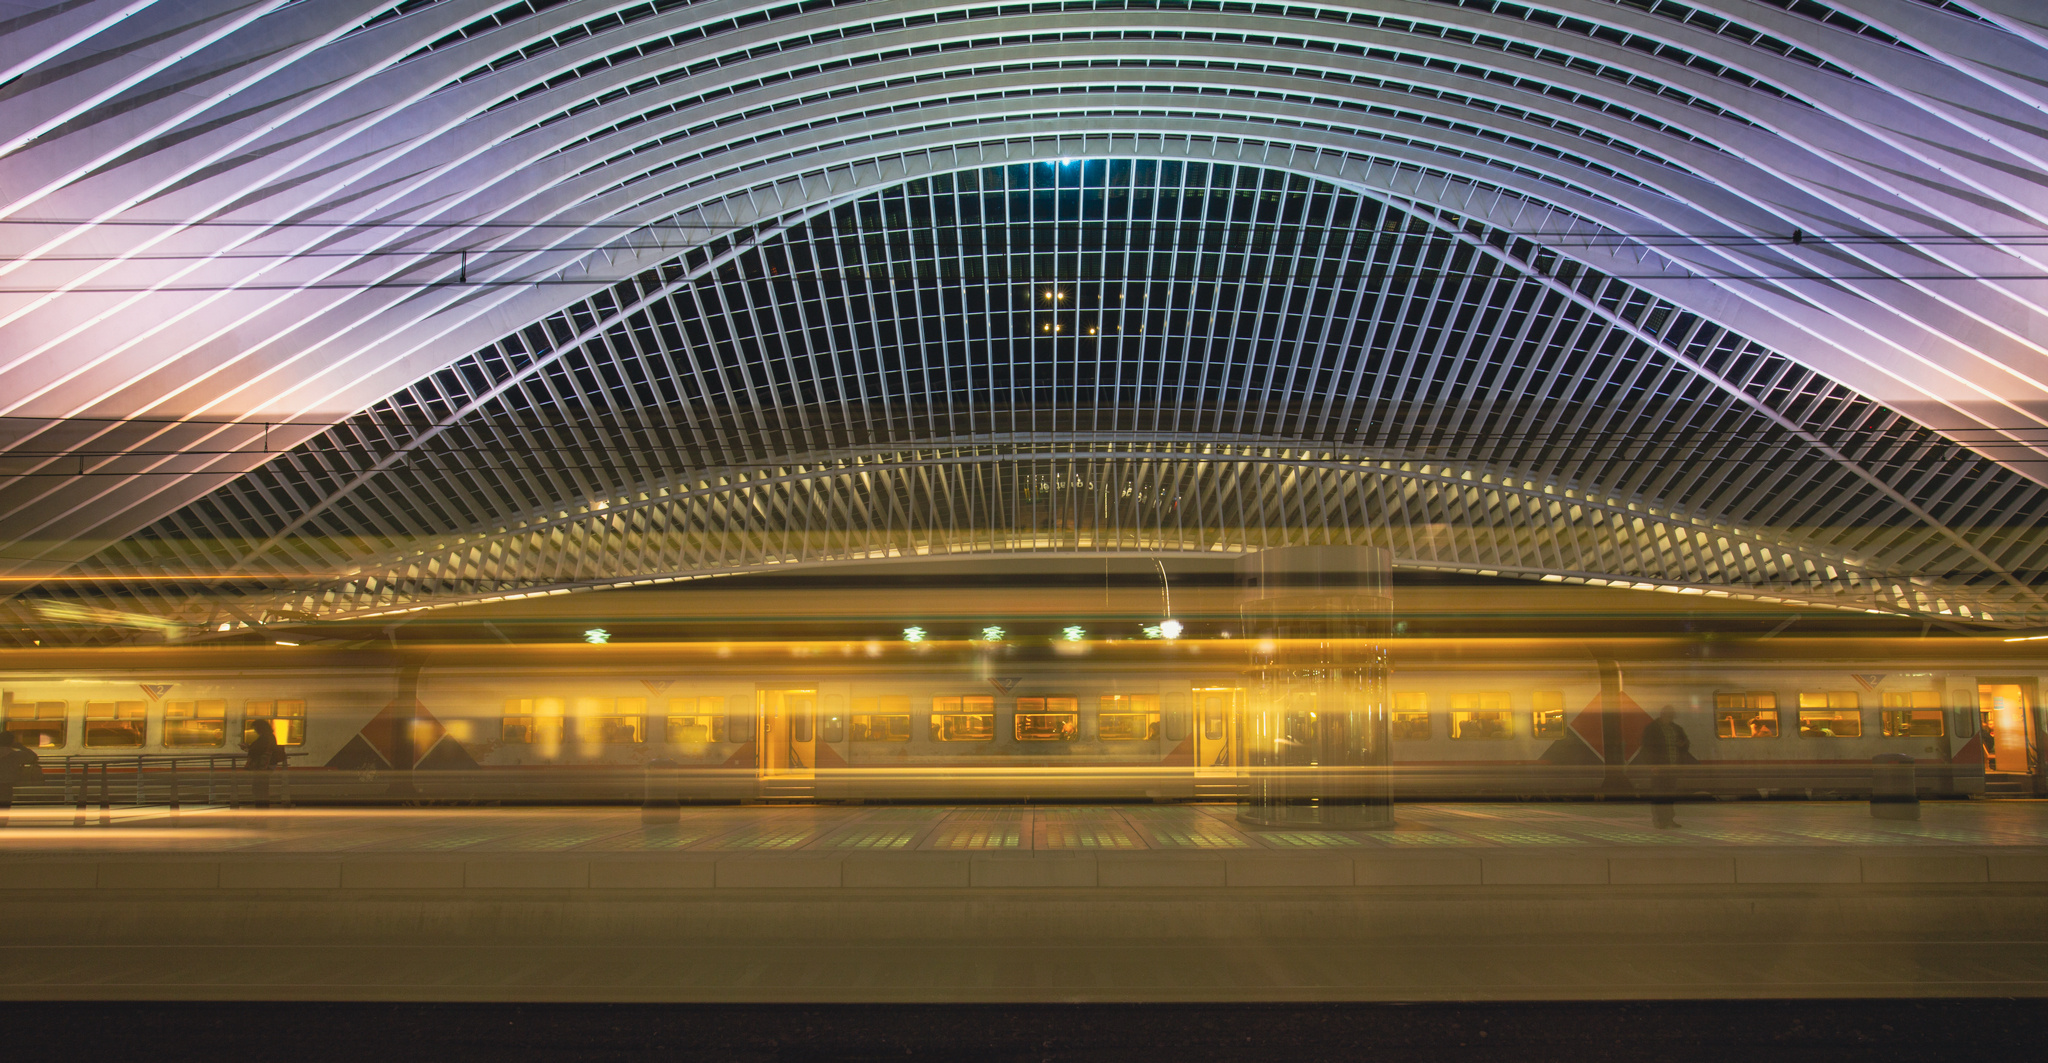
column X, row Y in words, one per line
column 337, row 310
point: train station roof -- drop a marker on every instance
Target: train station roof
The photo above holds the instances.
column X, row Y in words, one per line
column 350, row 309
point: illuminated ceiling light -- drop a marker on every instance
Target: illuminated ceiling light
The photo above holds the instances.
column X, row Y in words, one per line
column 991, row 633
column 1073, row 634
column 597, row 636
column 913, row 634
column 282, row 642
column 1169, row 629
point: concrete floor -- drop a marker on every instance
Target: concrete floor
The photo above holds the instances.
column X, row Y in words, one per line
column 1002, row 903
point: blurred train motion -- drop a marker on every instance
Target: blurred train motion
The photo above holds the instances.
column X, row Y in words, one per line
column 966, row 720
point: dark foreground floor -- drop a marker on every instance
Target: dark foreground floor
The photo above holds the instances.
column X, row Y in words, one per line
column 1668, row 1032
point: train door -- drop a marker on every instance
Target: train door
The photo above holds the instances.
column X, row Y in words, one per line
column 1219, row 722
column 2007, row 711
column 789, row 739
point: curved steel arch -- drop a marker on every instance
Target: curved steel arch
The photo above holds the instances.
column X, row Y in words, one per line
column 947, row 502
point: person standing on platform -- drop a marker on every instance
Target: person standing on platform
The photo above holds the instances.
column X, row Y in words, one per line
column 18, row 765
column 1665, row 747
column 263, row 756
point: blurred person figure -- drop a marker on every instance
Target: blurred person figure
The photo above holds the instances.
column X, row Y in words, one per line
column 263, row 756
column 1665, row 747
column 18, row 766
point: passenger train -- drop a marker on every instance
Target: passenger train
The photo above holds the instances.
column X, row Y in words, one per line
column 868, row 720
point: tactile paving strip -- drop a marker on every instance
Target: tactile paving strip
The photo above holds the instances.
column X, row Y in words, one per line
column 871, row 837
column 1289, row 839
column 653, row 838
column 765, row 838
column 978, row 836
column 554, row 839
column 1422, row 838
column 1085, row 835
column 1513, row 836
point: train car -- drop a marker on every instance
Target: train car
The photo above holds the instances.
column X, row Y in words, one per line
column 844, row 720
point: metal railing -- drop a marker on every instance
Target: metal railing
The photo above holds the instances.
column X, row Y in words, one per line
column 141, row 780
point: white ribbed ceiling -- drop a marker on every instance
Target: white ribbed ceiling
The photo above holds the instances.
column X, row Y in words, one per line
column 355, row 233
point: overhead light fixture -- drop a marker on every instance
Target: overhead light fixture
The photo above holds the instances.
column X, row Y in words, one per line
column 597, row 636
column 913, row 634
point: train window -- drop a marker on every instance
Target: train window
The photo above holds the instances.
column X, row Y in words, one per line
column 38, row 724
column 1478, row 724
column 1746, row 723
column 1546, row 714
column 885, row 718
column 1411, row 716
column 533, row 721
column 1173, row 717
column 1126, row 717
column 196, row 724
column 698, row 720
column 1481, row 714
column 832, row 722
column 1056, row 719
column 1746, row 714
column 1830, row 714
column 964, row 718
column 286, row 719
column 1911, row 723
column 1214, row 721
column 118, row 724
column 1911, row 714
column 612, row 721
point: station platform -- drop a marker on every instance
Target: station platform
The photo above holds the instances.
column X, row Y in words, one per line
column 1124, row 902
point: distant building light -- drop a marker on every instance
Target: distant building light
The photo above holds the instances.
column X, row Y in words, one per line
column 1073, row 634
column 1170, row 629
column 992, row 633
column 913, row 634
column 597, row 636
